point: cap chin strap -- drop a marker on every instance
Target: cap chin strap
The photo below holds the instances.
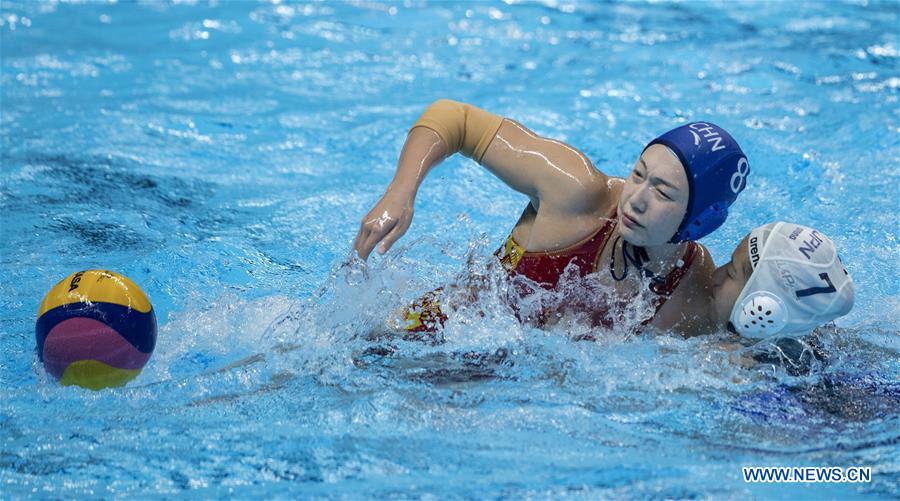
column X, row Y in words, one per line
column 761, row 314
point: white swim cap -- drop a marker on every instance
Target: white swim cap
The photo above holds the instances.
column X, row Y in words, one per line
column 798, row 283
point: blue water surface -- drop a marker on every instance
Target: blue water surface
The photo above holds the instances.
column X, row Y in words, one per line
column 222, row 154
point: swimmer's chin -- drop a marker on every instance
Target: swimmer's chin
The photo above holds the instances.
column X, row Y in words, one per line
column 632, row 236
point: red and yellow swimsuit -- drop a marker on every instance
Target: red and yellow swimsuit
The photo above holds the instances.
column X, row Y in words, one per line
column 546, row 269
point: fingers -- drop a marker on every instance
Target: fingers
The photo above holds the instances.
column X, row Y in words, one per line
column 361, row 236
column 365, row 245
column 368, row 228
column 371, row 233
column 389, row 219
column 394, row 234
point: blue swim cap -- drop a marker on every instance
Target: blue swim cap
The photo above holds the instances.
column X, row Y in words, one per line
column 716, row 170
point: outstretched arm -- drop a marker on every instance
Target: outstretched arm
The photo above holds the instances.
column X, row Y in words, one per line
column 549, row 172
column 392, row 215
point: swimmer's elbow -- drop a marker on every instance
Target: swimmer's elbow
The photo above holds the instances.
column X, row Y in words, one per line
column 464, row 128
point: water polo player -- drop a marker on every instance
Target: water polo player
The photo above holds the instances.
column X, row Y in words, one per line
column 783, row 280
column 635, row 233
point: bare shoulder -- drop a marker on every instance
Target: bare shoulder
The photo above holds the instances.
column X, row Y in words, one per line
column 695, row 288
column 703, row 267
column 613, row 190
column 564, row 176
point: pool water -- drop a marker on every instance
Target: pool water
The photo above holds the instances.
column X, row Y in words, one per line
column 222, row 154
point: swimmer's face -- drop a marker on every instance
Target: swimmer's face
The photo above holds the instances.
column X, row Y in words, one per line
column 654, row 198
column 729, row 281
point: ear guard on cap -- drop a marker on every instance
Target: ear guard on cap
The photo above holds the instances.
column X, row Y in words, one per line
column 705, row 223
column 760, row 314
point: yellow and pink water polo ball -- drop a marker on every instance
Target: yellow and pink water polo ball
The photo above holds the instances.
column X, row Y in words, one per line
column 95, row 329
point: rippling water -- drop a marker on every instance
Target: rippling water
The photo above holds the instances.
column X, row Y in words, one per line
column 222, row 154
